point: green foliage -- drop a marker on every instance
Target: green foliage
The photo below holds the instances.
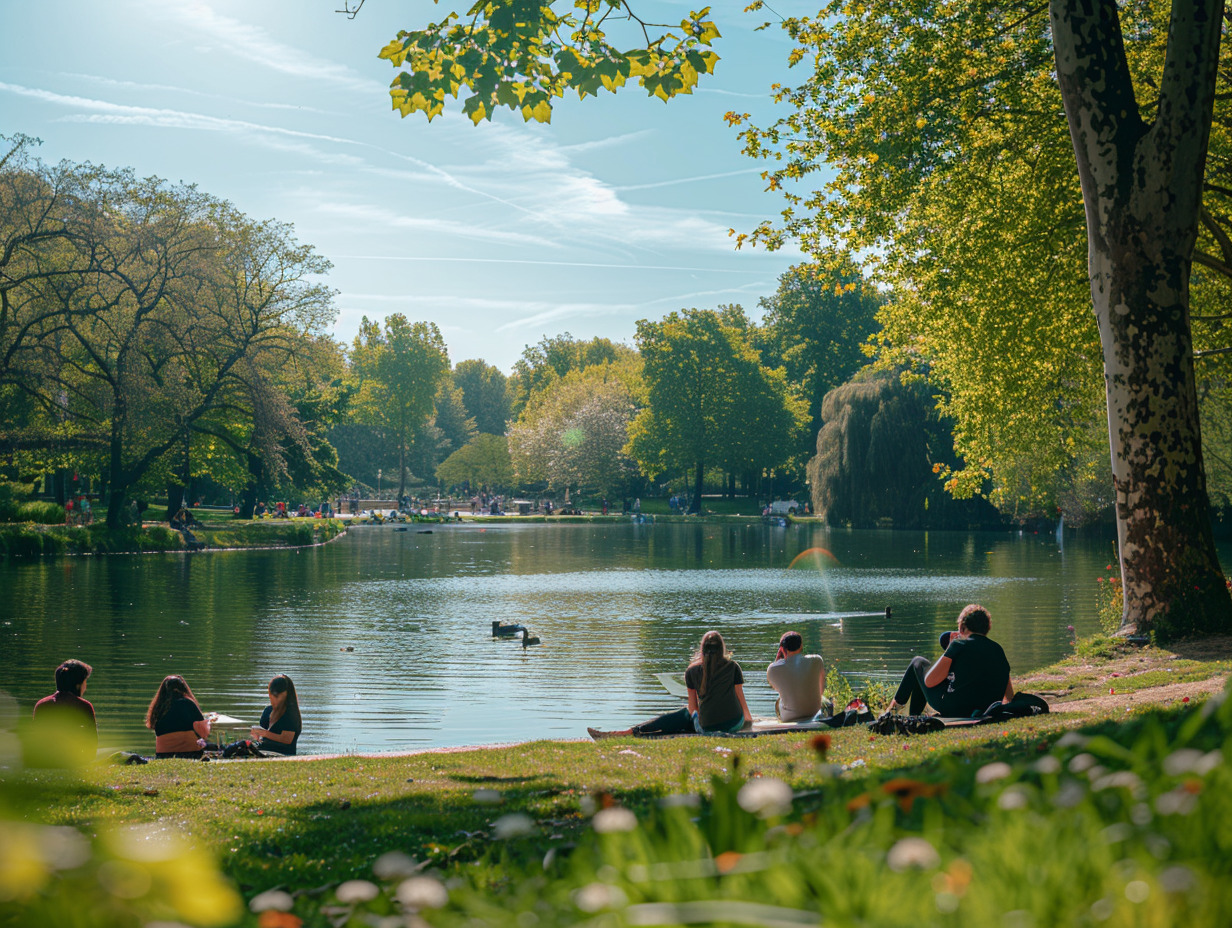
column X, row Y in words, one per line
column 1110, row 598
column 710, row 401
column 815, row 327
column 524, row 55
column 879, row 451
column 485, row 395
column 483, row 462
column 397, row 371
column 573, row 432
column 551, row 359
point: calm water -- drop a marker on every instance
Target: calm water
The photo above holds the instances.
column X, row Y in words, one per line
column 614, row 604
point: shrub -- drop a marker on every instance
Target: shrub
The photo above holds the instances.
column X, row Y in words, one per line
column 40, row 512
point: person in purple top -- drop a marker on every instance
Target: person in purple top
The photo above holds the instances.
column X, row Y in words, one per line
column 65, row 728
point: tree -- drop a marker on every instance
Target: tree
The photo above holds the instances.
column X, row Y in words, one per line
column 485, row 395
column 891, row 118
column 543, row 364
column 709, row 399
column 397, row 371
column 815, row 327
column 573, row 432
column 482, row 463
column 880, row 445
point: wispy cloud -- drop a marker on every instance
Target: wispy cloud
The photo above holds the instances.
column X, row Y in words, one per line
column 472, row 259
column 687, row 180
column 183, row 91
column 256, row 45
column 367, row 217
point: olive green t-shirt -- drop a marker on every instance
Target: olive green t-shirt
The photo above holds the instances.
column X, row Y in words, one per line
column 718, row 706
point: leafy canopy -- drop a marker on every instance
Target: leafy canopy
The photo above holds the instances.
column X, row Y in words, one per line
column 524, row 55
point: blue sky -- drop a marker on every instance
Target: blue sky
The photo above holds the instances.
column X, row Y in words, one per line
column 500, row 234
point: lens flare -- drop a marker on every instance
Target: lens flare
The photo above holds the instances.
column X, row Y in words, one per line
column 814, row 559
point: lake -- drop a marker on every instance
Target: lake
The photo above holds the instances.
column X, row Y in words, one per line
column 614, row 604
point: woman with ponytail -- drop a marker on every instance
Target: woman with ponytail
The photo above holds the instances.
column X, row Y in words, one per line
column 716, row 697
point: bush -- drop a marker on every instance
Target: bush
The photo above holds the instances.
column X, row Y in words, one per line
column 40, row 513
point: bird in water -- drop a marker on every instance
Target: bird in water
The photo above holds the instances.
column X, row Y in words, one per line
column 505, row 631
column 528, row 639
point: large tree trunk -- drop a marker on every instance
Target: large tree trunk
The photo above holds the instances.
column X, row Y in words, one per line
column 1142, row 189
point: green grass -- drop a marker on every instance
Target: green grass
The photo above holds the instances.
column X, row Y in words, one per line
column 1013, row 824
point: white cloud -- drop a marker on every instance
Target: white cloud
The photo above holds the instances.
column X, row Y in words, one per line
column 368, row 217
column 254, row 44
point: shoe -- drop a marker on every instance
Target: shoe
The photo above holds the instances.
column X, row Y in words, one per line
column 598, row 735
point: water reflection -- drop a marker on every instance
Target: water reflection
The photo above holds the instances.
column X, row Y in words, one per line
column 614, row 604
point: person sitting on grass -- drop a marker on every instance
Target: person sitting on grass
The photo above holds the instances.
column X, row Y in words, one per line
column 798, row 678
column 280, row 723
column 971, row 675
column 716, row 697
column 65, row 728
column 175, row 716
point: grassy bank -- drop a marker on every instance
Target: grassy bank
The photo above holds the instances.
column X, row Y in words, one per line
column 1027, row 823
column 31, row 540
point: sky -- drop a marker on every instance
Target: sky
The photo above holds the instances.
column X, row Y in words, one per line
column 501, row 233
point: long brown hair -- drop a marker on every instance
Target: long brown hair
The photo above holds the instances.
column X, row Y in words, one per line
column 169, row 690
column 712, row 655
column 290, row 707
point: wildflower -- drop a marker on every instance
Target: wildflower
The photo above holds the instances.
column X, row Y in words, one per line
column 859, row 802
column 1013, row 798
column 726, row 862
column 513, row 825
column 765, row 797
column 1047, row 765
column 821, row 745
column 274, row 899
column 356, row 891
column 271, row 918
column 907, row 791
column 1138, row 890
column 954, row 880
column 595, row 897
column 990, row 773
column 394, row 865
column 608, row 821
column 912, row 853
column 422, row 892
column 1177, row 879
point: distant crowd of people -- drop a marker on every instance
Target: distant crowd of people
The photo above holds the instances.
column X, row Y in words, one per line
column 65, row 728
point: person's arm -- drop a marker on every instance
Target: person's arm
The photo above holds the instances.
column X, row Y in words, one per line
column 821, row 683
column 282, row 737
column 744, row 706
column 938, row 671
column 1009, row 691
column 693, row 703
column 202, row 728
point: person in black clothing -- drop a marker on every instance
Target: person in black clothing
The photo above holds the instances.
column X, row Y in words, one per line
column 280, row 722
column 972, row 674
column 180, row 729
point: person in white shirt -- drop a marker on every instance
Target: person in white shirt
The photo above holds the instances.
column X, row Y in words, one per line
column 799, row 679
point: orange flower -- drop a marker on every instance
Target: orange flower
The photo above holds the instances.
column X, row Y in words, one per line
column 727, row 861
column 272, row 919
column 821, row 744
column 908, row 791
column 955, row 880
column 860, row 802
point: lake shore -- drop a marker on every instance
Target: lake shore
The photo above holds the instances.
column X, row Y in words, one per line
column 311, row 822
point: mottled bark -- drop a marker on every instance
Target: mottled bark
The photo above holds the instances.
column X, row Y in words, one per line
column 1142, row 185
